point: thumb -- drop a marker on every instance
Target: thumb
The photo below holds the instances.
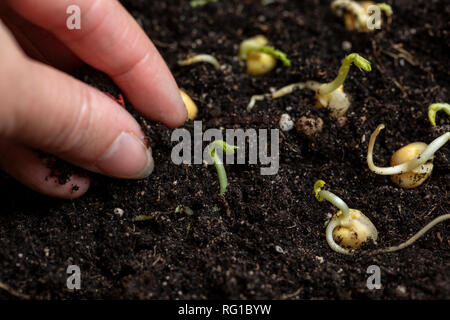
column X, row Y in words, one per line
column 51, row 111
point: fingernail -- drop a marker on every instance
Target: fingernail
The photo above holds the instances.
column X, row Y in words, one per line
column 127, row 157
column 182, row 109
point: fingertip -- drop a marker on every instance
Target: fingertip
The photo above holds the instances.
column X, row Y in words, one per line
column 127, row 157
column 115, row 44
column 179, row 116
column 152, row 89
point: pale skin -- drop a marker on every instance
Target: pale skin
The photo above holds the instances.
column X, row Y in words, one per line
column 44, row 108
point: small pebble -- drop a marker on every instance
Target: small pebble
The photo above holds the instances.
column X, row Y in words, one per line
column 400, row 290
column 279, row 249
column 346, row 45
column 286, row 122
column 118, row 211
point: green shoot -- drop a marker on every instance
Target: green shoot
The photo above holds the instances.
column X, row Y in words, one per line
column 318, row 188
column 217, row 161
column 352, row 58
column 434, row 108
column 277, row 54
column 387, row 9
column 150, row 216
column 329, row 95
column 185, row 209
column 200, row 3
column 259, row 44
column 260, row 58
column 153, row 215
column 322, row 195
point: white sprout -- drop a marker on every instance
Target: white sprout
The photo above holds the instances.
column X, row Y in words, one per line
column 415, row 237
column 288, row 89
column 336, row 201
column 334, row 223
column 312, row 85
column 410, row 165
column 349, row 218
column 200, row 58
column 253, row 99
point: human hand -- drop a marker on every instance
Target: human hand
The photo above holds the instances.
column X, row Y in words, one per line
column 43, row 108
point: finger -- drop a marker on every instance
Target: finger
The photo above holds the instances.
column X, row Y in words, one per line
column 111, row 40
column 48, row 110
column 38, row 43
column 26, row 166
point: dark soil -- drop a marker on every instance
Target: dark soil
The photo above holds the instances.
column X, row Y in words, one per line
column 232, row 252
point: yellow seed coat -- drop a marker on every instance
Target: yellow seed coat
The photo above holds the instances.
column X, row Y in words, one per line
column 415, row 178
column 190, row 105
